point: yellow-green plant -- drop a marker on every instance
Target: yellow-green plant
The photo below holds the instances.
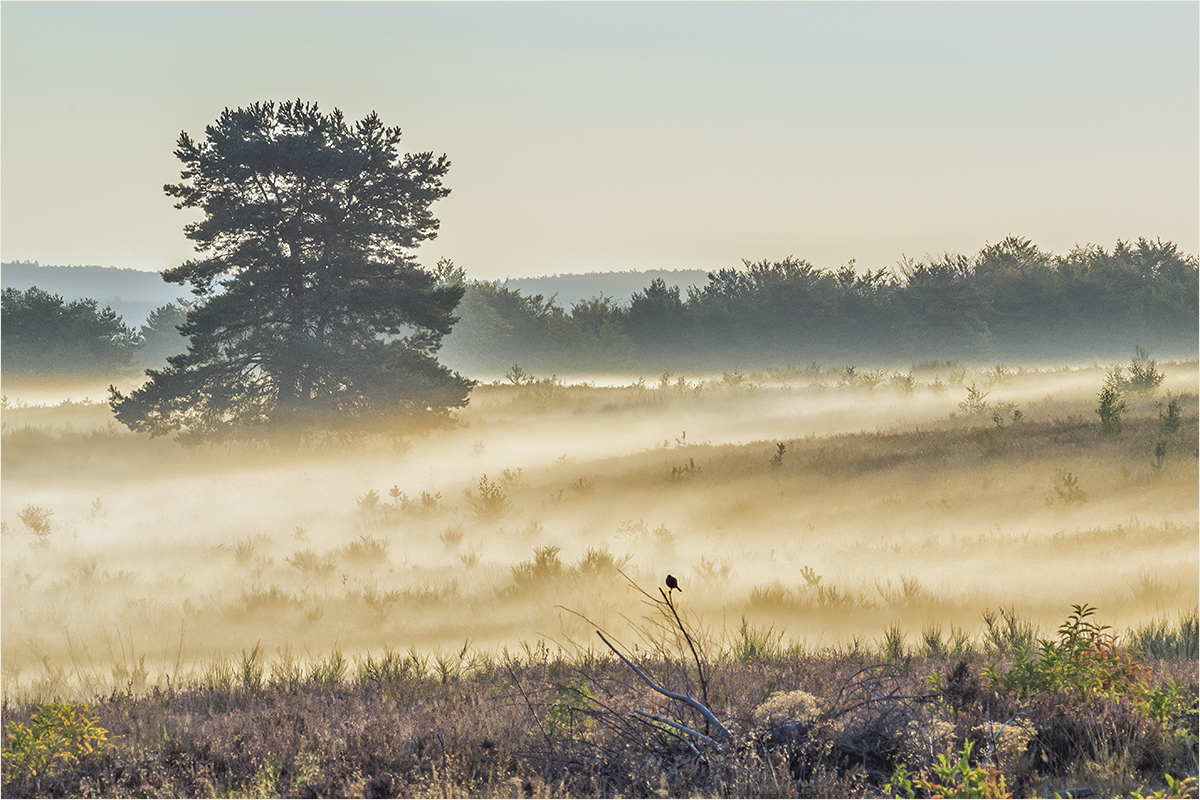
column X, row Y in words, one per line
column 1168, row 705
column 1086, row 660
column 567, row 712
column 953, row 777
column 1175, row 788
column 57, row 735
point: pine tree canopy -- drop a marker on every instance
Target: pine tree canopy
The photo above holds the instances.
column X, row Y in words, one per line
column 311, row 314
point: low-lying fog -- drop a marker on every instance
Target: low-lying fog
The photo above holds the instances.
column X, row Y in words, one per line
column 127, row 559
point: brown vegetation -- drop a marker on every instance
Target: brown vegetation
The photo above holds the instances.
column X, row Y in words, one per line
column 226, row 608
column 839, row 722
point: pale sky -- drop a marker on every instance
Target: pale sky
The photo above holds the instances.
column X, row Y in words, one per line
column 619, row 136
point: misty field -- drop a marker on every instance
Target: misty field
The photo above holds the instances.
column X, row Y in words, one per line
column 897, row 514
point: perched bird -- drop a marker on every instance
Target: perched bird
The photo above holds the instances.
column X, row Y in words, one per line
column 672, row 583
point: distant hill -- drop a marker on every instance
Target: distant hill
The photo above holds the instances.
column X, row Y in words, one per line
column 131, row 293
column 620, row 286
column 134, row 294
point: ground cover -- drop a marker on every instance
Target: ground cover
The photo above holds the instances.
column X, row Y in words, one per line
column 820, row 522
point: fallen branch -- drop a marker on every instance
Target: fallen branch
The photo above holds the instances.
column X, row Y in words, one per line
column 721, row 731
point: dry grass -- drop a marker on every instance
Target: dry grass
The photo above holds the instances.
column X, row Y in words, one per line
column 543, row 722
column 886, row 524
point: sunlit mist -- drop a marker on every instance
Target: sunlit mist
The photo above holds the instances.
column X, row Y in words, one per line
column 827, row 503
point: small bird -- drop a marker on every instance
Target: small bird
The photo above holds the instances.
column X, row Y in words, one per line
column 672, row 583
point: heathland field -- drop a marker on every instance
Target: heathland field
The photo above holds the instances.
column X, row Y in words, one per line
column 819, row 521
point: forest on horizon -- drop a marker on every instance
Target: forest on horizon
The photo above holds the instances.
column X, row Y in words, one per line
column 1010, row 301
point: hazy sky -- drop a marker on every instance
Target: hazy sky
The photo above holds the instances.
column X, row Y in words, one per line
column 616, row 136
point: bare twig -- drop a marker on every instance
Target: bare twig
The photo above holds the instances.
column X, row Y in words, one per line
column 721, row 730
column 532, row 713
column 699, row 669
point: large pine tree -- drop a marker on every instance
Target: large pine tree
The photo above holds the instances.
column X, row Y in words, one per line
column 312, row 314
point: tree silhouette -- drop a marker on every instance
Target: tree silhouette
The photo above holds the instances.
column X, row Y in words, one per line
column 311, row 312
column 44, row 333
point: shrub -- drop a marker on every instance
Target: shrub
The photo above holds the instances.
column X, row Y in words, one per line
column 329, row 672
column 903, row 383
column 953, row 777
column 451, row 536
column 684, row 473
column 1144, row 377
column 1169, row 417
column 1110, row 409
column 492, row 501
column 545, row 568
column 250, row 671
column 1068, row 491
column 37, row 519
column 1006, row 633
column 368, row 504
column 52, row 743
column 1175, row 788
column 309, row 563
column 1084, row 659
column 392, row 668
column 568, row 711
column 366, row 550
column 754, row 644
column 777, row 459
column 975, row 402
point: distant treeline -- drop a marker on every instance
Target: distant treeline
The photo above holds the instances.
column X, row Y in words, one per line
column 1011, row 300
column 43, row 333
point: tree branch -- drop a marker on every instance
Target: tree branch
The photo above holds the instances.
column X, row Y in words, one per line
column 707, row 740
column 722, row 731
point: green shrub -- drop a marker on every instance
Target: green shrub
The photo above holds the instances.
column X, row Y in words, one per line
column 1084, row 659
column 366, row 550
column 329, row 672
column 569, row 710
column 953, row 777
column 1170, row 418
column 1175, row 788
column 52, row 743
column 1144, row 377
column 1006, row 632
column 1110, row 408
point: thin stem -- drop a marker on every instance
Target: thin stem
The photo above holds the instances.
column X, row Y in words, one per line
column 691, row 645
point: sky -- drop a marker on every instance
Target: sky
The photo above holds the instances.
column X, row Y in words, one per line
column 628, row 136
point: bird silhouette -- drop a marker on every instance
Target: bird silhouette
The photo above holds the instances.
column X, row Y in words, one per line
column 672, row 583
